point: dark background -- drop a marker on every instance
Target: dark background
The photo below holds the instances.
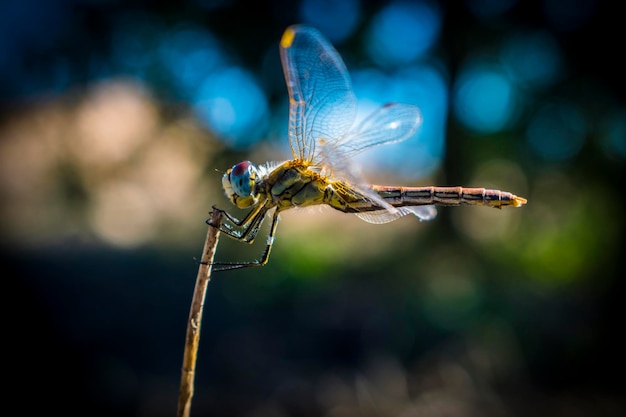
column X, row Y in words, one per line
column 512, row 313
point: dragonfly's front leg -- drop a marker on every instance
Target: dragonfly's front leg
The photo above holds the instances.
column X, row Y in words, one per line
column 243, row 230
column 225, row 266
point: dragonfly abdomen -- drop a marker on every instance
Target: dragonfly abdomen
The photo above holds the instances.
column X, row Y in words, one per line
column 447, row 196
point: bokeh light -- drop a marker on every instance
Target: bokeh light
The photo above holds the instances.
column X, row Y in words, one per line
column 533, row 59
column 421, row 85
column 484, row 99
column 75, row 172
column 232, row 104
column 121, row 214
column 134, row 45
column 403, row 31
column 101, row 141
column 188, row 54
column 335, row 19
column 557, row 131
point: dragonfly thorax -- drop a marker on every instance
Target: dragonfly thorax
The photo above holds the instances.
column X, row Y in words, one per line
column 240, row 184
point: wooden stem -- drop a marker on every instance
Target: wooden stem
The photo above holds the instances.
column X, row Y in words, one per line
column 192, row 338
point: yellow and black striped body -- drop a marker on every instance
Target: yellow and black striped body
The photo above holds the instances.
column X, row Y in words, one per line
column 293, row 184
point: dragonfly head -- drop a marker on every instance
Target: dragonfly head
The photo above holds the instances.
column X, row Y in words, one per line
column 240, row 182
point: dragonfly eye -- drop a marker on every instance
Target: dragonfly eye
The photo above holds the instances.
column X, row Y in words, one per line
column 241, row 179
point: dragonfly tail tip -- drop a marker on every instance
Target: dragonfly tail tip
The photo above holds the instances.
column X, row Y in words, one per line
column 519, row 201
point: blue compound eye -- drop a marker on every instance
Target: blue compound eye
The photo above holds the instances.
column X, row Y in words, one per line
column 242, row 178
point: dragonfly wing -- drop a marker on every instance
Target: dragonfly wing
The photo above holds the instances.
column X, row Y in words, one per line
column 424, row 213
column 391, row 123
column 322, row 105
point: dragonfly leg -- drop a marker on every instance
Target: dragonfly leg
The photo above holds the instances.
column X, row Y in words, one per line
column 249, row 233
column 226, row 266
column 234, row 220
column 243, row 230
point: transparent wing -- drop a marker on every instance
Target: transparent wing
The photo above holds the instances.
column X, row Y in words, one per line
column 322, row 106
column 424, row 213
column 391, row 123
column 322, row 109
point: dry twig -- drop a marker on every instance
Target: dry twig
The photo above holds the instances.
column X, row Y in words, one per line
column 192, row 338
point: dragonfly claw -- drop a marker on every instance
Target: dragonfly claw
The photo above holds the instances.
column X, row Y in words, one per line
column 215, row 209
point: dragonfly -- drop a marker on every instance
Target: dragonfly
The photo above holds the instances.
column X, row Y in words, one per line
column 324, row 138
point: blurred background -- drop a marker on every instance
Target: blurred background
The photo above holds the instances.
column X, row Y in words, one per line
column 117, row 120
